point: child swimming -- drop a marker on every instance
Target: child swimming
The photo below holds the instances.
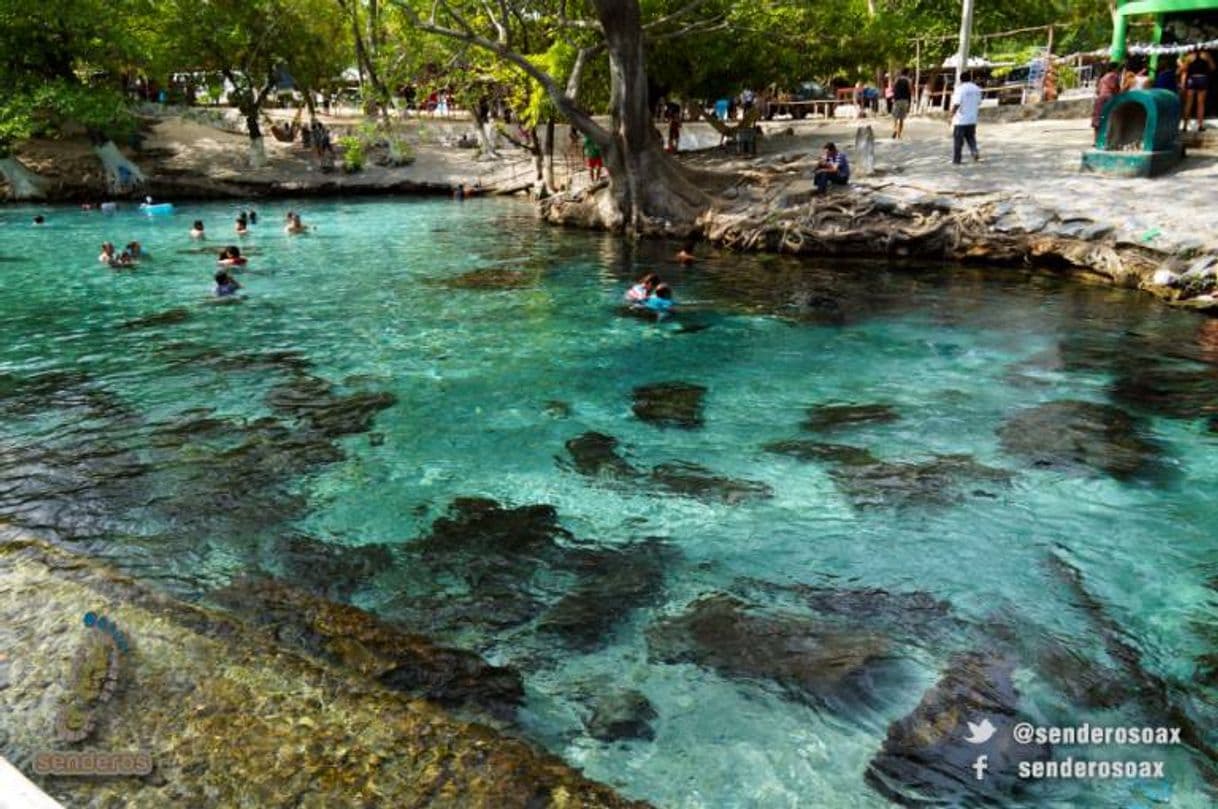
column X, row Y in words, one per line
column 108, row 256
column 196, row 230
column 226, row 285
column 231, row 257
column 643, row 289
column 660, row 301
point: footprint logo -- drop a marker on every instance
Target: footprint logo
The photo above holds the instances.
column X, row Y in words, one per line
column 980, row 732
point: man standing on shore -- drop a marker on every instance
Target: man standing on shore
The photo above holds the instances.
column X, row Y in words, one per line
column 902, row 94
column 966, row 103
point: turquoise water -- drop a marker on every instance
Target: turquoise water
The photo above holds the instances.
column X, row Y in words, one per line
column 159, row 444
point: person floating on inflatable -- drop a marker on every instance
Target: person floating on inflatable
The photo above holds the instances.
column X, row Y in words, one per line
column 643, row 289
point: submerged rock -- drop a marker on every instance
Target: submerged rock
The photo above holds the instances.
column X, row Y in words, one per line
column 483, row 528
column 357, row 640
column 1171, row 392
column 313, row 401
column 328, row 570
column 620, row 716
column 670, row 404
column 612, row 584
column 808, row 450
column 942, row 480
column 828, row 667
column 926, row 758
column 234, row 718
column 169, row 317
column 495, row 278
column 596, row 455
column 1079, row 437
column 691, row 480
column 829, row 417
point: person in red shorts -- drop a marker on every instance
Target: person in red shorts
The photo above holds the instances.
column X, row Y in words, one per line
column 592, row 154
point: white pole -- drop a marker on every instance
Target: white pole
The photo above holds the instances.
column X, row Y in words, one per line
column 966, row 31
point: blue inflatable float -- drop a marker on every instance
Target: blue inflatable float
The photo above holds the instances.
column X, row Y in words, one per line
column 157, row 209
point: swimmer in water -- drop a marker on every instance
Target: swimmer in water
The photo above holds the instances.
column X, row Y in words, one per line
column 231, row 257
column 137, row 251
column 294, row 224
column 226, row 285
column 39, row 220
column 686, row 256
column 253, row 217
column 242, row 225
column 642, row 290
column 108, row 256
column 661, row 301
column 196, row 230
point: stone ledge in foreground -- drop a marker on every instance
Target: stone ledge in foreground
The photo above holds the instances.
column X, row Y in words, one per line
column 230, row 719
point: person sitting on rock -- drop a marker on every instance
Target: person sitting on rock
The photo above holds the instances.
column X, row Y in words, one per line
column 196, row 230
column 832, row 168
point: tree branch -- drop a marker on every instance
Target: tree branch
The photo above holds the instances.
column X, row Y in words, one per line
column 577, row 70
column 693, row 5
column 701, row 27
column 567, row 105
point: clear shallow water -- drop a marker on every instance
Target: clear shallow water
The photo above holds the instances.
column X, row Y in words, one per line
column 160, row 445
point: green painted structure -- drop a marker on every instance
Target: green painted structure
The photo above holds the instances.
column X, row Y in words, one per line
column 1156, row 8
column 1138, row 135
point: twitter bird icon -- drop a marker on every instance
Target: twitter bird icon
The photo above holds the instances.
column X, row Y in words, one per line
column 980, row 732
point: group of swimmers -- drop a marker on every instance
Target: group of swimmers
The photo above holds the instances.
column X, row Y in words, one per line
column 230, row 257
column 132, row 254
column 245, row 219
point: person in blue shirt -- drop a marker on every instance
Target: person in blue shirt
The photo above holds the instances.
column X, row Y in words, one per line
column 226, row 285
column 660, row 301
column 832, row 168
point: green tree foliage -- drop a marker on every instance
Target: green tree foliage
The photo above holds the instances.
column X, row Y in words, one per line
column 252, row 43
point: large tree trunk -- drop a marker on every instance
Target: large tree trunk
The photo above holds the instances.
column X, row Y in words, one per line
column 484, row 137
column 122, row 176
column 551, row 185
column 647, row 184
column 22, row 183
column 257, row 147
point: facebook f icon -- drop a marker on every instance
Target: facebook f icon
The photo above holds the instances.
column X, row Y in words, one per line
column 980, row 766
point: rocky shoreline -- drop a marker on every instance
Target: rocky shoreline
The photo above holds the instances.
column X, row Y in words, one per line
column 1033, row 208
column 294, row 710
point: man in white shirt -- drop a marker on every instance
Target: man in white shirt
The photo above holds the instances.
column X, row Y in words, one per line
column 966, row 103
